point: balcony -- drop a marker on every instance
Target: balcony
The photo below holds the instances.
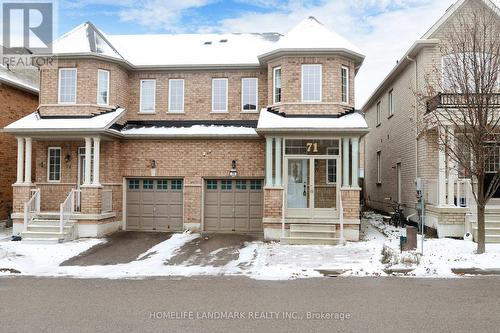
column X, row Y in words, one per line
column 442, row 100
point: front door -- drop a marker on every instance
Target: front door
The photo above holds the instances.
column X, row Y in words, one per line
column 311, row 187
column 81, row 165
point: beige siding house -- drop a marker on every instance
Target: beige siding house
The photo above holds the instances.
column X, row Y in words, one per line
column 399, row 148
column 229, row 133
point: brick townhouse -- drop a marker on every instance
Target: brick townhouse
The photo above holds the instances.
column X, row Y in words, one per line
column 230, row 133
column 18, row 98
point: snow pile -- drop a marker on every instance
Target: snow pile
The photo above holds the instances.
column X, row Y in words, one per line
column 377, row 221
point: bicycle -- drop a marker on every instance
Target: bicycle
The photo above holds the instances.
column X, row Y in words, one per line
column 398, row 218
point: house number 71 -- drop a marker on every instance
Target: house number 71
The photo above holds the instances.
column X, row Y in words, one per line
column 312, row 147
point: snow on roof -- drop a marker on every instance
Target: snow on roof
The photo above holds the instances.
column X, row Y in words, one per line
column 311, row 34
column 269, row 121
column 85, row 38
column 192, row 131
column 34, row 123
column 19, row 79
column 200, row 49
column 192, row 49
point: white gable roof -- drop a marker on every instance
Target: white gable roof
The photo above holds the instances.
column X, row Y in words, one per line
column 200, row 49
column 311, row 34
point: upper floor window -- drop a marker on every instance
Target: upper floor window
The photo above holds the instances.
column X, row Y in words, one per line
column 176, row 95
column 148, row 96
column 378, row 113
column 67, row 85
column 391, row 103
column 277, row 85
column 344, row 73
column 102, row 87
column 311, row 83
column 249, row 94
column 219, row 95
column 54, row 164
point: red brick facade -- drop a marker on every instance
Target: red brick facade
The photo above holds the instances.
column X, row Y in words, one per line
column 14, row 104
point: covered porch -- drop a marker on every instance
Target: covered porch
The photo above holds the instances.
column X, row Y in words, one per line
column 312, row 187
column 68, row 184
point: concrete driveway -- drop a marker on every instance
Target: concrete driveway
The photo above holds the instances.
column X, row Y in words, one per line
column 214, row 250
column 120, row 248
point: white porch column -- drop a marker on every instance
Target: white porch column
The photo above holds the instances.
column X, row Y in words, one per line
column 88, row 160
column 345, row 164
column 441, row 170
column 20, row 160
column 269, row 161
column 97, row 157
column 354, row 161
column 277, row 162
column 27, row 171
column 452, row 172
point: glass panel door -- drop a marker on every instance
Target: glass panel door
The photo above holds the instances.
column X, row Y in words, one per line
column 298, row 184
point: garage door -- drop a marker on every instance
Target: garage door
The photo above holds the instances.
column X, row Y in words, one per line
column 233, row 205
column 154, row 204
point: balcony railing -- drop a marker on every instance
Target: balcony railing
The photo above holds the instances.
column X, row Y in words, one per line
column 442, row 100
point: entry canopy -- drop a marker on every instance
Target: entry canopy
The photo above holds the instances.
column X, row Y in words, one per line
column 271, row 121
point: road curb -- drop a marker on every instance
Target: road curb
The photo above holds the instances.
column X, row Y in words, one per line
column 476, row 271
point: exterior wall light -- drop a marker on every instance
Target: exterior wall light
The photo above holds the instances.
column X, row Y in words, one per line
column 153, row 164
column 233, row 172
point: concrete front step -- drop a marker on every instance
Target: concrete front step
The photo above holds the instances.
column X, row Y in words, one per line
column 490, row 236
column 48, row 228
column 51, row 222
column 310, row 241
column 313, row 227
column 491, row 218
column 41, row 240
column 312, row 234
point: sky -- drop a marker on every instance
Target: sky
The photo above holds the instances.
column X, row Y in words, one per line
column 382, row 29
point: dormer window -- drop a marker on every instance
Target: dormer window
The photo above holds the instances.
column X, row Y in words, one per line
column 102, row 87
column 311, row 83
column 344, row 73
column 277, row 85
column 67, row 85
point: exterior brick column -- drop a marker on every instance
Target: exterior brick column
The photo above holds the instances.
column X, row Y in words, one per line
column 350, row 203
column 273, row 202
column 90, row 200
column 21, row 194
column 192, row 202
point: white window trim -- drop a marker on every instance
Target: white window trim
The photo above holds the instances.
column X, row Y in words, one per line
column 320, row 83
column 227, row 95
column 347, row 85
column 256, row 95
column 170, row 99
column 379, row 167
column 48, row 164
column 378, row 111
column 390, row 97
column 59, row 85
column 154, row 97
column 107, row 87
column 275, row 69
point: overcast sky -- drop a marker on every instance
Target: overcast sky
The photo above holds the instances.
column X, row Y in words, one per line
column 383, row 29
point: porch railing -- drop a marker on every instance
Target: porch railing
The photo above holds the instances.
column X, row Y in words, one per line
column 66, row 210
column 107, row 201
column 443, row 100
column 341, row 219
column 31, row 208
column 77, row 208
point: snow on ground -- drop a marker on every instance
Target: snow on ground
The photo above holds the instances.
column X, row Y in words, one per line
column 372, row 256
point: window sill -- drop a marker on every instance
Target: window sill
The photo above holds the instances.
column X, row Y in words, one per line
column 66, row 103
column 142, row 112
column 216, row 112
column 253, row 111
column 176, row 112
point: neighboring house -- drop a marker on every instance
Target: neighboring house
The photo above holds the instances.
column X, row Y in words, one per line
column 213, row 133
column 18, row 98
column 400, row 148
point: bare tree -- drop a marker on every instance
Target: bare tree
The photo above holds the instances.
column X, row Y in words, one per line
column 466, row 103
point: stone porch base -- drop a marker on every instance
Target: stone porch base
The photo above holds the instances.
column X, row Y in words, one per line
column 448, row 221
column 272, row 230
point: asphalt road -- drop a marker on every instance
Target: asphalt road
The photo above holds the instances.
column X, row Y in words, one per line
column 351, row 305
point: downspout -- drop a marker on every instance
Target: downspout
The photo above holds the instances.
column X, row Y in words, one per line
column 415, row 112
